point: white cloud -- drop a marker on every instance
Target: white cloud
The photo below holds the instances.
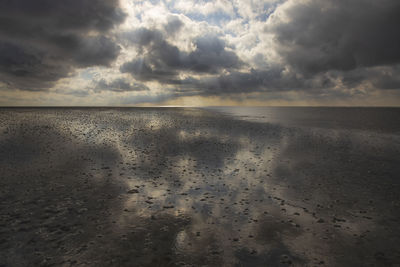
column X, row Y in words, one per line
column 205, row 8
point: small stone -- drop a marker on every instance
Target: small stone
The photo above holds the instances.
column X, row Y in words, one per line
column 133, row 191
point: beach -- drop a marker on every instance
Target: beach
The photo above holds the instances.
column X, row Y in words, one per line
column 198, row 187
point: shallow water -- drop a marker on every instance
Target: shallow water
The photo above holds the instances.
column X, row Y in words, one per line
column 192, row 187
column 379, row 119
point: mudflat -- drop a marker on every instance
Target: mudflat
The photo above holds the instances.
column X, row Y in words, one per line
column 193, row 187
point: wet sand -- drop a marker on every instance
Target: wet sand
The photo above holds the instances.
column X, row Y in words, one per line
column 191, row 187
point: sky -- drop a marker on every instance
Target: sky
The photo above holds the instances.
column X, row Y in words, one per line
column 199, row 53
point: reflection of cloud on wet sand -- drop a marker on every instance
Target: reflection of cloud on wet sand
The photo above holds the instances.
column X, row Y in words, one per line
column 160, row 187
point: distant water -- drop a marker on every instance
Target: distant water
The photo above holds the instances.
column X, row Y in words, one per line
column 358, row 118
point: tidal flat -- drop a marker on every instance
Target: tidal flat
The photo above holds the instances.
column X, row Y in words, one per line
column 196, row 187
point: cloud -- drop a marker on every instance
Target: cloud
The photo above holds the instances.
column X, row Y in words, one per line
column 26, row 69
column 321, row 35
column 381, row 77
column 169, row 49
column 319, row 45
column 275, row 79
column 148, row 98
column 119, row 85
column 43, row 41
column 335, row 45
column 211, row 56
column 205, row 8
column 255, row 9
column 174, row 25
column 162, row 61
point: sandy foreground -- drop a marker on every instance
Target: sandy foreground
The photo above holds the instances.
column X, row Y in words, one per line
column 190, row 187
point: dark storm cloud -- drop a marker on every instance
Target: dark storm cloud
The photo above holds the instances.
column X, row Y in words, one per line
column 273, row 79
column 382, row 77
column 71, row 15
column 211, row 56
column 163, row 61
column 323, row 35
column 45, row 40
column 25, row 68
column 119, row 85
column 174, row 25
column 95, row 51
column 387, row 81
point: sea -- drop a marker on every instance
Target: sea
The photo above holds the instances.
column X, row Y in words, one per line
column 377, row 119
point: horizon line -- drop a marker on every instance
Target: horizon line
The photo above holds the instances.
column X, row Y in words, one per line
column 179, row 106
